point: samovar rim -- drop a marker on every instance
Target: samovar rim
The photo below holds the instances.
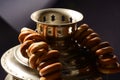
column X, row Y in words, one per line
column 75, row 15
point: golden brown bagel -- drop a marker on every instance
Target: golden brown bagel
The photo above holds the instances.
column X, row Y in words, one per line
column 50, row 68
column 36, row 46
column 24, row 46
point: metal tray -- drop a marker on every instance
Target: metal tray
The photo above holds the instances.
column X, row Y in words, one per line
column 14, row 68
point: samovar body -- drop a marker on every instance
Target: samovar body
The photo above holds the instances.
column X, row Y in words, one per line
column 57, row 26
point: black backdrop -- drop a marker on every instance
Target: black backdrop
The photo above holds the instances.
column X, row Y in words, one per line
column 102, row 15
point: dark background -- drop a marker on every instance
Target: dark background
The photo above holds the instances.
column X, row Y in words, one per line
column 101, row 15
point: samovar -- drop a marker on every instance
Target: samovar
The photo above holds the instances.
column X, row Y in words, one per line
column 57, row 25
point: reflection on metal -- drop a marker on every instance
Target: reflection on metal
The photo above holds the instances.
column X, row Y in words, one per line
column 57, row 24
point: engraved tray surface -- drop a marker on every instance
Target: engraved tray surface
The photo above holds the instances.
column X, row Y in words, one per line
column 13, row 67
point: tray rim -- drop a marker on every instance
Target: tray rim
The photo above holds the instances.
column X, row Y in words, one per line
column 18, row 56
column 28, row 73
